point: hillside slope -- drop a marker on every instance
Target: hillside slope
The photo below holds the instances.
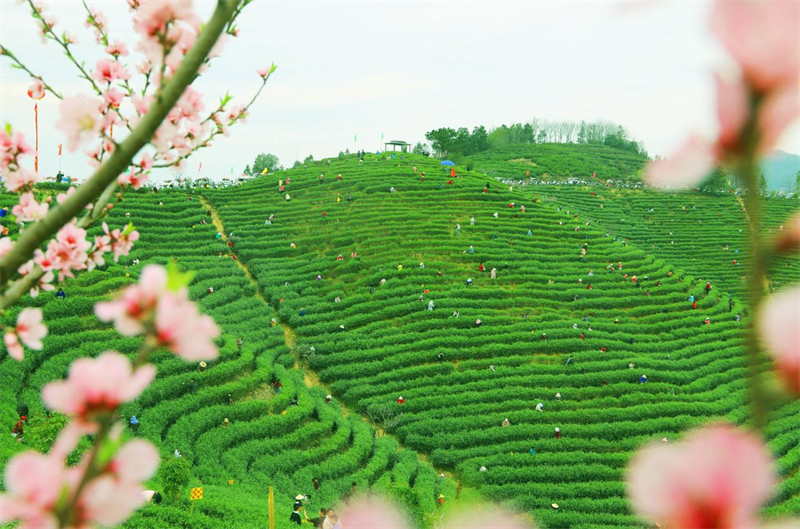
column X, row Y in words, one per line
column 559, row 161
column 381, row 341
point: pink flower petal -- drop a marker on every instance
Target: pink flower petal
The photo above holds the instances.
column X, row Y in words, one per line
column 687, row 167
column 778, row 326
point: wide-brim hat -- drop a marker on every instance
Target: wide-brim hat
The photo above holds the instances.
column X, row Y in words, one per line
column 299, row 497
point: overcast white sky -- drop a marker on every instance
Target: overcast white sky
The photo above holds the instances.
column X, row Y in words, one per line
column 404, row 68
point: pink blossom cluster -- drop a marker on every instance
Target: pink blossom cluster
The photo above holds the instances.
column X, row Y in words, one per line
column 117, row 241
column 165, row 315
column 717, row 477
column 42, row 492
column 761, row 38
column 13, row 148
column 29, row 331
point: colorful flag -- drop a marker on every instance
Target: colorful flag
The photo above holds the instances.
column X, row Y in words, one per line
column 381, row 135
column 231, row 169
column 197, row 493
column 59, row 148
column 265, row 170
column 200, row 167
column 355, row 137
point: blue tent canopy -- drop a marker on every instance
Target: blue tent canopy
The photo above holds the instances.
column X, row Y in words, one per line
column 447, row 162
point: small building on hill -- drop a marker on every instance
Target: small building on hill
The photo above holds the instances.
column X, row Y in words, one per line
column 404, row 147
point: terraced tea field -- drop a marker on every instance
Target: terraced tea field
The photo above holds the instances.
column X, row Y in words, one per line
column 542, row 318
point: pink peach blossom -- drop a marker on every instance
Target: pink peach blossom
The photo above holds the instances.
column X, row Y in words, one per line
column 15, row 349
column 12, row 146
column 372, row 512
column 686, row 167
column 133, row 179
column 34, row 482
column 761, row 38
column 68, row 251
column 81, row 120
column 36, row 90
column 781, row 335
column 30, row 328
column 44, row 283
column 263, row 72
column 153, row 16
column 717, row 477
column 28, row 209
column 110, row 70
column 733, row 107
column 136, row 461
column 117, row 49
column 21, row 180
column 97, row 386
column 136, row 306
column 5, row 246
column 113, row 98
column 182, row 329
column 69, row 38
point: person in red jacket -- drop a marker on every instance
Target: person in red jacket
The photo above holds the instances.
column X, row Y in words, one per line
column 401, row 400
column 480, row 268
column 558, row 432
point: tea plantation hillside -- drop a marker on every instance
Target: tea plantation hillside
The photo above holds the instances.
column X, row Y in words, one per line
column 329, row 292
column 559, row 161
column 706, row 234
column 268, row 441
column 552, row 321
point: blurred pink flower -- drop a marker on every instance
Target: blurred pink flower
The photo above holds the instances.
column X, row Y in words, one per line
column 97, row 386
column 36, row 90
column 778, row 325
column 761, row 37
column 263, row 72
column 137, row 303
column 34, row 482
column 117, row 49
column 133, row 179
column 717, row 477
column 686, row 167
column 136, row 461
column 152, row 16
column 371, row 512
column 30, row 328
column 5, row 246
column 81, row 120
column 113, row 98
column 184, row 330
column 21, row 180
column 15, row 350
column 110, row 70
column 28, row 209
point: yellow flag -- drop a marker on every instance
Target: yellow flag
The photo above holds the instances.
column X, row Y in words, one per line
column 265, row 170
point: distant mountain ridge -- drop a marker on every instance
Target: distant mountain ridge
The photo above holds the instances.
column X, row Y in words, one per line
column 780, row 170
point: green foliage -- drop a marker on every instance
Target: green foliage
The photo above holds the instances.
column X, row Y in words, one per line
column 174, row 476
column 265, row 161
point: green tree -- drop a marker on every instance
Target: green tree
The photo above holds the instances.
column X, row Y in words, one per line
column 443, row 141
column 174, row 476
column 247, row 169
column 762, row 184
column 797, row 183
column 309, row 158
column 419, row 148
column 265, row 161
column 297, row 163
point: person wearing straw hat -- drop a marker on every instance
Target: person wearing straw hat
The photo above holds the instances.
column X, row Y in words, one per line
column 440, row 500
column 201, row 367
column 643, row 379
column 558, row 432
